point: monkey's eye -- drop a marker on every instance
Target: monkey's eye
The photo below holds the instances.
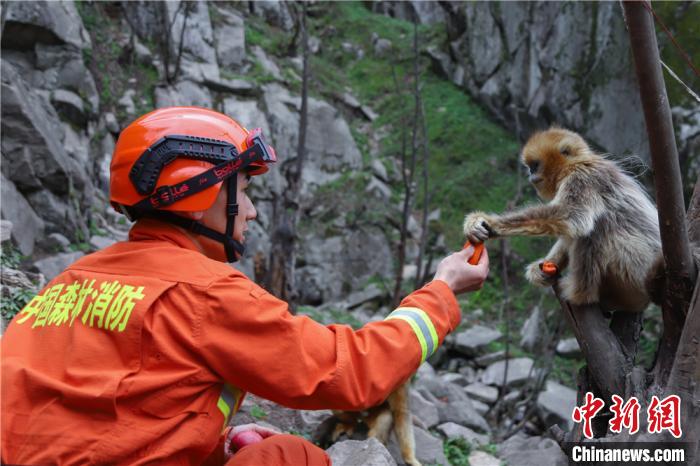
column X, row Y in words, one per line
column 533, row 166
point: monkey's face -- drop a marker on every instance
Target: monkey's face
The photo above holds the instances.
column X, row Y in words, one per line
column 547, row 155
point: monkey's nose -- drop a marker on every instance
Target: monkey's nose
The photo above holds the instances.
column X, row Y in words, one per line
column 534, row 179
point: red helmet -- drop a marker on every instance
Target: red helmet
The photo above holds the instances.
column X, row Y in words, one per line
column 171, row 145
column 176, row 159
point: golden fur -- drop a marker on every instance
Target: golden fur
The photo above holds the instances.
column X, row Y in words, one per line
column 607, row 228
column 394, row 412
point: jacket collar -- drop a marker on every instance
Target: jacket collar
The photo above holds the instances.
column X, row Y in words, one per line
column 147, row 229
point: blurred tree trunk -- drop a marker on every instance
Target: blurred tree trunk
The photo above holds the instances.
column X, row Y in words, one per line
column 287, row 207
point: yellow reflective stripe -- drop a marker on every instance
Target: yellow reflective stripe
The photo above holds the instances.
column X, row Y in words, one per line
column 422, row 326
column 416, row 330
column 227, row 402
column 428, row 323
column 224, row 408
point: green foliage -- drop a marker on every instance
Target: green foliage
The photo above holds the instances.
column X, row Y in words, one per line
column 10, row 256
column 457, row 451
column 683, row 20
column 14, row 302
column 258, row 413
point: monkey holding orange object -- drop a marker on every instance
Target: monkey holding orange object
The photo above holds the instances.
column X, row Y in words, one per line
column 606, row 226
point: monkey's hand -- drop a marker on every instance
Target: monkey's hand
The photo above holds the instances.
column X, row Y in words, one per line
column 537, row 277
column 478, row 227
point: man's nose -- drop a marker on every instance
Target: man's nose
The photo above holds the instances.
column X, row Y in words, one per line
column 252, row 213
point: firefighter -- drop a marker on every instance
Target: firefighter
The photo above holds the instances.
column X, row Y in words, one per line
column 140, row 353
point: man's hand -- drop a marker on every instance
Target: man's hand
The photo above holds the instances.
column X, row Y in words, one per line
column 233, row 432
column 461, row 276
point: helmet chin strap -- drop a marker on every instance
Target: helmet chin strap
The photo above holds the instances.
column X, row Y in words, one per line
column 233, row 248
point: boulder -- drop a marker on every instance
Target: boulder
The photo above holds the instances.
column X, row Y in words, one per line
column 452, row 431
column 5, row 230
column 369, row 293
column 268, row 66
column 519, row 370
column 77, row 145
column 56, row 212
column 70, row 106
column 455, row 378
column 379, row 170
column 58, row 23
column 232, row 86
column 428, row 448
column 490, row 358
column 569, row 348
column 101, row 242
column 424, row 410
column 360, row 453
column 62, row 68
column 183, row 93
column 555, row 405
column 27, row 225
column 312, row 419
column 229, row 38
column 51, row 266
column 126, row 102
column 472, row 341
column 275, row 12
column 479, row 391
column 532, row 451
column 481, row 458
column 533, row 330
column 31, row 129
column 56, row 242
column 198, row 54
column 481, row 408
column 382, row 191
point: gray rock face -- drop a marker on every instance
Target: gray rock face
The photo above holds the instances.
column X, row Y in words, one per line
column 51, row 266
column 518, row 372
column 229, row 39
column 481, row 392
column 481, row 458
column 5, row 230
column 471, row 341
column 428, row 448
column 54, row 22
column 532, row 451
column 360, row 453
column 557, row 69
column 183, row 93
column 198, row 53
column 555, row 405
column 452, row 431
column 269, row 66
column 275, row 12
column 27, row 226
column 424, row 410
column 424, row 12
column 532, row 331
column 32, row 154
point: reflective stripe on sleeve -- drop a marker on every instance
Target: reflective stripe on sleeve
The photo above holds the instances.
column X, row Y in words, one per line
column 227, row 401
column 422, row 326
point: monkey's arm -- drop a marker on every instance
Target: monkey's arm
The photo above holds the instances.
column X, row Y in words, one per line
column 571, row 214
column 559, row 255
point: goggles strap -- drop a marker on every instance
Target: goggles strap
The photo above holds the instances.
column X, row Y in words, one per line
column 167, row 195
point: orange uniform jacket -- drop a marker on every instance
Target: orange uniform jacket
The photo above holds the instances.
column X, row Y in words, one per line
column 140, row 352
